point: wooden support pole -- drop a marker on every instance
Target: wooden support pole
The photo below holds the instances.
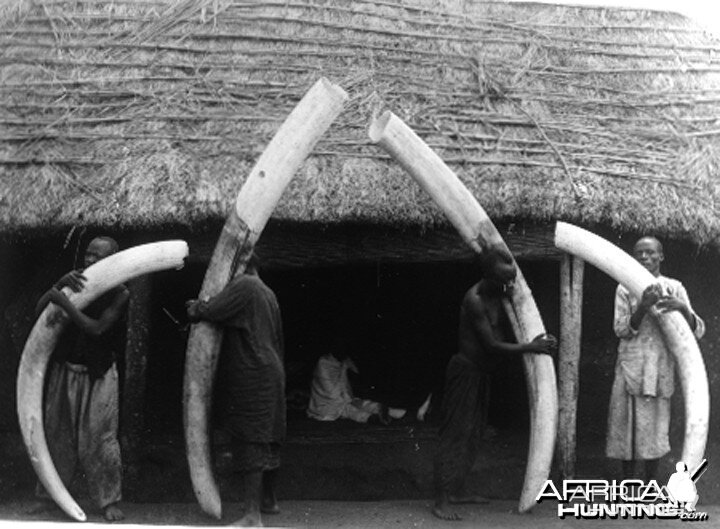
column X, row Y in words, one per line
column 571, row 293
column 136, row 348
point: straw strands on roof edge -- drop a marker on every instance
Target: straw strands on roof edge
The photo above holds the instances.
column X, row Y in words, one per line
column 149, row 113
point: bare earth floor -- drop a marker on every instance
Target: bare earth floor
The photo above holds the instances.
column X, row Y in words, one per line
column 348, row 514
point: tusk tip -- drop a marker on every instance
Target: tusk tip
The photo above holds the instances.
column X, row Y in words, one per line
column 335, row 89
column 377, row 127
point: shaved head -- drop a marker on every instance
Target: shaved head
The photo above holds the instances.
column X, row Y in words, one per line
column 112, row 243
column 493, row 257
column 498, row 266
column 649, row 239
column 99, row 248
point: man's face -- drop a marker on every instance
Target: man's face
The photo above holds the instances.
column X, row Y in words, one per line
column 503, row 272
column 649, row 253
column 96, row 250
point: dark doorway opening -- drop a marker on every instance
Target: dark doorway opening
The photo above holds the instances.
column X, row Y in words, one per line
column 398, row 321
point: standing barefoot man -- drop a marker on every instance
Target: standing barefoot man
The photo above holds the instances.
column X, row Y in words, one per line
column 81, row 400
column 252, row 380
column 639, row 411
column 466, row 380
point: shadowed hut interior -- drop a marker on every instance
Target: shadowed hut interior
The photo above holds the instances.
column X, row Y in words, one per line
column 142, row 118
column 397, row 321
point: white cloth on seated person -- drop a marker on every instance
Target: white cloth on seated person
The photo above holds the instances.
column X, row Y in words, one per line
column 331, row 396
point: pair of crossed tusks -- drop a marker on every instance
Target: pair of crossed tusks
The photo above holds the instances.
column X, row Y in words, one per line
column 257, row 199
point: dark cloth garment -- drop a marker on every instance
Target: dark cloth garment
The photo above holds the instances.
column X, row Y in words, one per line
column 97, row 353
column 251, row 373
column 255, row 457
column 464, row 414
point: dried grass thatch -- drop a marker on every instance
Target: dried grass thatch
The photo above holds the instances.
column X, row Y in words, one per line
column 150, row 113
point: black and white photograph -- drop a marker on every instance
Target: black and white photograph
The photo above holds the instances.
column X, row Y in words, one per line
column 360, row 263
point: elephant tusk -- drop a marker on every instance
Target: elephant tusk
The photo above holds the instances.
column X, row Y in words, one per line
column 101, row 277
column 478, row 231
column 677, row 334
column 256, row 201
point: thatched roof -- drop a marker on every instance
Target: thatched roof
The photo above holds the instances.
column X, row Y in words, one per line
column 150, row 113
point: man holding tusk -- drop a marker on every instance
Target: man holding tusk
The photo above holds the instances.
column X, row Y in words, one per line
column 466, row 379
column 252, row 383
column 81, row 400
column 639, row 415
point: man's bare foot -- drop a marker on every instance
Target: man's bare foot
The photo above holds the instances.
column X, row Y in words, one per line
column 250, row 519
column 467, row 498
column 441, row 512
column 269, row 507
column 112, row 513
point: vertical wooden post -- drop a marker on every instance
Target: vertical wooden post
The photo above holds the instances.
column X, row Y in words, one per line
column 136, row 348
column 571, row 294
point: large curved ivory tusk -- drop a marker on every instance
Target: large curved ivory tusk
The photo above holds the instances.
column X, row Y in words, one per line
column 678, row 336
column 101, row 277
column 478, row 231
column 256, row 201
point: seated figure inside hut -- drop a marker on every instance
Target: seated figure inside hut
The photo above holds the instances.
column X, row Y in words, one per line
column 331, row 394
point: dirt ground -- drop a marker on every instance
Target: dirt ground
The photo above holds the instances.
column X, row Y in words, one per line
column 346, row 515
column 400, row 499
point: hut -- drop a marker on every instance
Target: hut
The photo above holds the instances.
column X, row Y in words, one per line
column 142, row 118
